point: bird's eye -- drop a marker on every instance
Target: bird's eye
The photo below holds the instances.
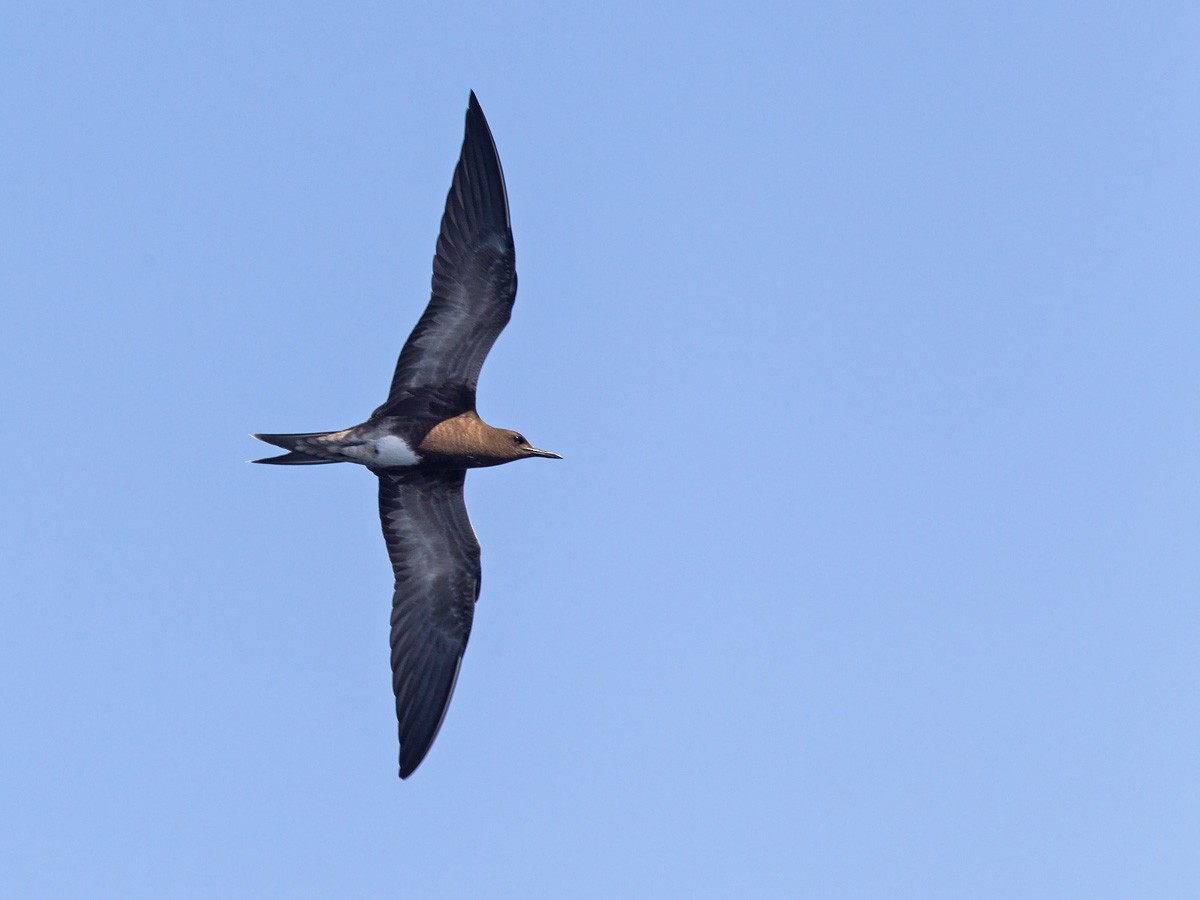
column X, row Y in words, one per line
column 517, row 439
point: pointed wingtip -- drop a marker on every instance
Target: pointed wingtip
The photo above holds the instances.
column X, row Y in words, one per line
column 408, row 765
column 475, row 111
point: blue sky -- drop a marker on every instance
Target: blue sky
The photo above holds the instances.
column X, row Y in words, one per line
column 869, row 334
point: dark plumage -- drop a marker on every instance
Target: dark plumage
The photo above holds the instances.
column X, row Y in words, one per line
column 425, row 436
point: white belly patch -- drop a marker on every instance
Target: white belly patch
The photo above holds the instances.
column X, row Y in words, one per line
column 385, row 452
column 390, row 451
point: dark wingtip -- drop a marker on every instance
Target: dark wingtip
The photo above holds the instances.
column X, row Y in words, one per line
column 408, row 766
column 474, row 110
column 413, row 753
column 476, row 118
column 479, row 162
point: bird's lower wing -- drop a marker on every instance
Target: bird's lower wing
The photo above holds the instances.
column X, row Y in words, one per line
column 435, row 557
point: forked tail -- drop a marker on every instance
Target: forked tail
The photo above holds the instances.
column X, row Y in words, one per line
column 294, row 457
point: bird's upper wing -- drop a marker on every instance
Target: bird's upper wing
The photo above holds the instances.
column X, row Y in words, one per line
column 474, row 284
column 435, row 556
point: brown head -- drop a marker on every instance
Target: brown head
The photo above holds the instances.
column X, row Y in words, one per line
column 468, row 441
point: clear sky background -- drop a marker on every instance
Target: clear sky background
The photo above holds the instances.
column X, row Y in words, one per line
column 870, row 334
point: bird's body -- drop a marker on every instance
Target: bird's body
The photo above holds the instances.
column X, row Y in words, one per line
column 425, row 436
column 392, row 443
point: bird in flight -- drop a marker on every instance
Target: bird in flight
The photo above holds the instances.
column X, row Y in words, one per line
column 426, row 435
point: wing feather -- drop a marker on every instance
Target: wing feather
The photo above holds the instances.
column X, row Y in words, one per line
column 435, row 558
column 474, row 281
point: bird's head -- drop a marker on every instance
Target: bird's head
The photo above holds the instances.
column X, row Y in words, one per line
column 519, row 448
